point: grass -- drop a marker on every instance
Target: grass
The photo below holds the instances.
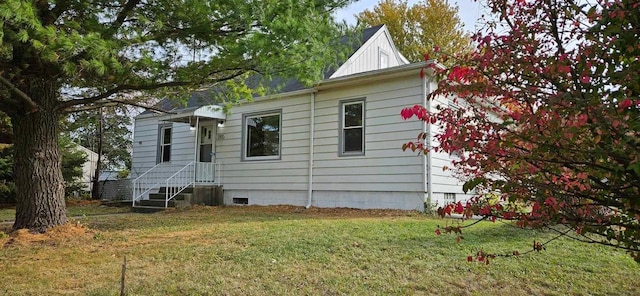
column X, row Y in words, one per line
column 292, row 251
column 75, row 208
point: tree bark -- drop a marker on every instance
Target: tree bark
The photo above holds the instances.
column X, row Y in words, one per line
column 95, row 187
column 40, row 202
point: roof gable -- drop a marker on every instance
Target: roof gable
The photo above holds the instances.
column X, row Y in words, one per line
column 376, row 52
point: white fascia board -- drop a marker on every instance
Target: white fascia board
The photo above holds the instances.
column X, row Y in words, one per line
column 377, row 75
column 207, row 111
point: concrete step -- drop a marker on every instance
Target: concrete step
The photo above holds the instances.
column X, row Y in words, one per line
column 147, row 209
column 155, row 203
column 186, row 190
column 160, row 203
column 162, row 196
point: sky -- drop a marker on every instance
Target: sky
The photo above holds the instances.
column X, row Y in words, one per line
column 469, row 11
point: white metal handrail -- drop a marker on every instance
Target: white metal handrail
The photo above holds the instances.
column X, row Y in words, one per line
column 207, row 172
column 151, row 179
column 182, row 179
column 185, row 176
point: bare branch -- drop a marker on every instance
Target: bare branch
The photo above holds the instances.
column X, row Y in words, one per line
column 24, row 97
column 67, row 104
column 122, row 15
column 125, row 87
column 115, row 102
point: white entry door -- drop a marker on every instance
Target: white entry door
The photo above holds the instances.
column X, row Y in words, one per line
column 206, row 153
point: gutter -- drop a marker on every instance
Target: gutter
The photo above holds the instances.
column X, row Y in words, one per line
column 376, row 74
column 312, row 104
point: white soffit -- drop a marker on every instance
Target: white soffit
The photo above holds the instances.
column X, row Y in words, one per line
column 183, row 115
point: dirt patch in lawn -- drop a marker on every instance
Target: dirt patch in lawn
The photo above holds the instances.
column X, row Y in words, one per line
column 321, row 212
column 71, row 231
column 82, row 202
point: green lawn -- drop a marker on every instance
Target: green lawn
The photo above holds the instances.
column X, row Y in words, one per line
column 292, row 251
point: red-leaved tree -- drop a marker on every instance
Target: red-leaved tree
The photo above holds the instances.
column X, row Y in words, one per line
column 548, row 119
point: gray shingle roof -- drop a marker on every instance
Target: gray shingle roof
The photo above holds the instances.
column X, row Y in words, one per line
column 200, row 98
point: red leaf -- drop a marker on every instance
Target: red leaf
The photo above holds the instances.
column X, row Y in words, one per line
column 459, row 208
column 447, row 209
column 626, row 104
column 438, row 231
column 469, row 258
column 585, row 79
column 406, row 113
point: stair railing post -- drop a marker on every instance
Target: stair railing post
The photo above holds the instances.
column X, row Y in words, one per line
column 195, row 150
column 166, row 194
column 133, row 200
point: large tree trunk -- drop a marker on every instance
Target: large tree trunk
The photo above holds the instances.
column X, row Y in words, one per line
column 37, row 163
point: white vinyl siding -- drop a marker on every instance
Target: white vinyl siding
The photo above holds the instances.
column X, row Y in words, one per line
column 368, row 57
column 289, row 172
column 145, row 143
column 385, row 167
column 386, row 177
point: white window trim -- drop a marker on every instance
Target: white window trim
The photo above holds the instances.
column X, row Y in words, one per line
column 161, row 145
column 341, row 140
column 245, row 134
column 381, row 53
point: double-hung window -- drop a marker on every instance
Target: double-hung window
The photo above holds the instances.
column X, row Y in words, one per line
column 352, row 120
column 164, row 144
column 262, row 136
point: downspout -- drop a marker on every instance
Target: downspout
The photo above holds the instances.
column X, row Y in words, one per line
column 427, row 169
column 312, row 104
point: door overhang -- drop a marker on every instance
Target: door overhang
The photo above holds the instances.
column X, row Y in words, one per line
column 187, row 115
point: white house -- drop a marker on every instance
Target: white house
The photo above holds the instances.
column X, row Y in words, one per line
column 336, row 144
column 88, row 167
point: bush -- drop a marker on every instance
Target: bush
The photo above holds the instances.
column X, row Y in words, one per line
column 7, row 192
column 7, row 188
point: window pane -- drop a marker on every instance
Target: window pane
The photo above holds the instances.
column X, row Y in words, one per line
column 166, row 137
column 353, row 115
column 166, row 153
column 263, row 135
column 205, row 153
column 353, row 140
